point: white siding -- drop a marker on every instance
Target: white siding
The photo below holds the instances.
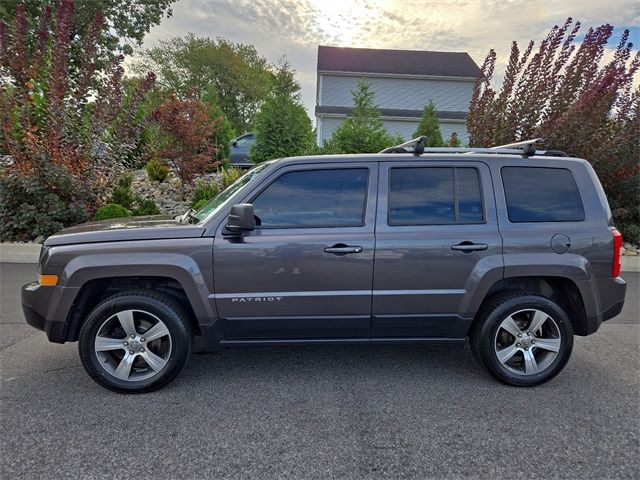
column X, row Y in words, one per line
column 402, row 93
column 406, row 128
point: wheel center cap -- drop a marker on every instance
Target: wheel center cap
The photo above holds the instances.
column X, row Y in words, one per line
column 135, row 344
column 525, row 341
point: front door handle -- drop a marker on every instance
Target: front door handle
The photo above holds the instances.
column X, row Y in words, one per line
column 342, row 249
column 469, row 247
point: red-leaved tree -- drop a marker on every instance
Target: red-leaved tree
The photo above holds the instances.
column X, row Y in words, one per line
column 186, row 136
column 576, row 101
column 68, row 137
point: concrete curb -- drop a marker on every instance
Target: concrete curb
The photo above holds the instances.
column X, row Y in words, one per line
column 19, row 252
column 29, row 253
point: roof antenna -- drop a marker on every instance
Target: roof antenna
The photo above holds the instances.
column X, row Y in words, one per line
column 418, row 149
column 528, row 150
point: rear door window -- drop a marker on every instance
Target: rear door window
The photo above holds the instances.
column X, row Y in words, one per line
column 434, row 196
column 540, row 194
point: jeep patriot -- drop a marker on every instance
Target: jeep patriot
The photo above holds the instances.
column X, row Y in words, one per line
column 516, row 252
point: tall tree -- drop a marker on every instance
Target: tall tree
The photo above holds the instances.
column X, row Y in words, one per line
column 429, row 126
column 565, row 94
column 126, row 21
column 363, row 131
column 282, row 127
column 241, row 76
column 69, row 138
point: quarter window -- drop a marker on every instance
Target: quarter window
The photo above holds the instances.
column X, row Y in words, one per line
column 538, row 194
column 314, row 198
column 434, row 196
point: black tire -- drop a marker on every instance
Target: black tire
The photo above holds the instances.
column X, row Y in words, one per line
column 484, row 334
column 163, row 307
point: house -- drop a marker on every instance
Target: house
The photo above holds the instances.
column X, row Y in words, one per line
column 403, row 81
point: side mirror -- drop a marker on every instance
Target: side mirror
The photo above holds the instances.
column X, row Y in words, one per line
column 234, row 143
column 240, row 219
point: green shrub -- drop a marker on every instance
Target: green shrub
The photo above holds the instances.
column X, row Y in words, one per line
column 228, row 175
column 122, row 195
column 145, row 206
column 204, row 191
column 38, row 205
column 111, row 210
column 157, row 170
column 199, row 204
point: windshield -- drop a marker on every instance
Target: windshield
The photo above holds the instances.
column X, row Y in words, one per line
column 219, row 200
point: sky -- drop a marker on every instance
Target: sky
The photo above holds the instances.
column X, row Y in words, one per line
column 294, row 28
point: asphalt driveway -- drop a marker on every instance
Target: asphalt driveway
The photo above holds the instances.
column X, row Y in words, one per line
column 320, row 412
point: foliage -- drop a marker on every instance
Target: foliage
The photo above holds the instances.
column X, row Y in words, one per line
column 188, row 65
column 82, row 126
column 454, row 141
column 145, row 206
column 126, row 21
column 199, row 204
column 282, row 127
column 38, row 205
column 429, row 127
column 157, row 170
column 363, row 131
column 121, row 193
column 228, row 175
column 225, row 131
column 565, row 94
column 111, row 210
column 204, row 191
column 186, row 133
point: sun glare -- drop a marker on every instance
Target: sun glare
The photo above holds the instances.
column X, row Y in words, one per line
column 346, row 22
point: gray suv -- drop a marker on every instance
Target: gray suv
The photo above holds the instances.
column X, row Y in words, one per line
column 515, row 251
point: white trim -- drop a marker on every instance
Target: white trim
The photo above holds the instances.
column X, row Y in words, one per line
column 395, row 75
column 402, row 119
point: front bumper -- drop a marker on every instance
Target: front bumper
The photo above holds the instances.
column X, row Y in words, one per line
column 47, row 308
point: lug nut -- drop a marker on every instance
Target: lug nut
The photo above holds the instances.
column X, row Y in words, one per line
column 131, row 352
column 132, row 336
column 526, row 349
column 142, row 340
column 142, row 349
column 126, row 343
column 518, row 345
column 519, row 335
column 533, row 341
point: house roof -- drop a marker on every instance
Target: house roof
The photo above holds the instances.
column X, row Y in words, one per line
column 392, row 112
column 399, row 62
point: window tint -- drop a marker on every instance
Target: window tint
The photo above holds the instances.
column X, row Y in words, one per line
column 314, row 198
column 469, row 196
column 428, row 196
column 536, row 194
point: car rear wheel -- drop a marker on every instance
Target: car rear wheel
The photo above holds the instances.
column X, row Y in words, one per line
column 523, row 339
column 135, row 341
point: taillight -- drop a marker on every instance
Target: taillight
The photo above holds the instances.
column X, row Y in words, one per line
column 617, row 252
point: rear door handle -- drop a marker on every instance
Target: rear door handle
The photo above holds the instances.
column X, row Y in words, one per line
column 342, row 249
column 469, row 247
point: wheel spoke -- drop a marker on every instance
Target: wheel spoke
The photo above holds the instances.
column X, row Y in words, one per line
column 511, row 326
column 530, row 363
column 506, row 354
column 159, row 330
column 551, row 344
column 537, row 321
column 154, row 361
column 126, row 320
column 124, row 368
column 103, row 344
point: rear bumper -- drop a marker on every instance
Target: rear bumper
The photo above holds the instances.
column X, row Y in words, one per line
column 605, row 301
column 47, row 308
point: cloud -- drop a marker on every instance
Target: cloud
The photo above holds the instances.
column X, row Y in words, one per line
column 294, row 28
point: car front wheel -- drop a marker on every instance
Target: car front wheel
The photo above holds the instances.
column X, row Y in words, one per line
column 135, row 341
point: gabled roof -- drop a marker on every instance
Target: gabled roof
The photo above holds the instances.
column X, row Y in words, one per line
column 399, row 62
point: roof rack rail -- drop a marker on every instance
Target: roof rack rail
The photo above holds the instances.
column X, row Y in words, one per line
column 525, row 148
